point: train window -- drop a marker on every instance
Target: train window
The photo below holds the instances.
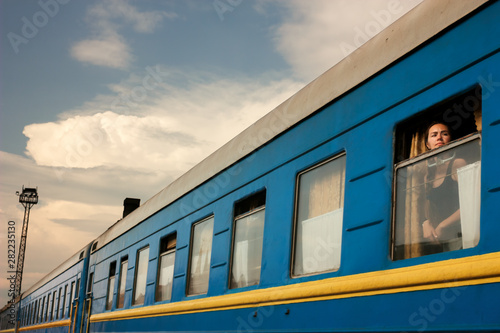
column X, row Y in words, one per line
column 53, row 305
column 437, row 187
column 58, row 303
column 247, row 241
column 111, row 285
column 141, row 272
column 46, row 315
column 201, row 250
column 90, row 283
column 35, row 312
column 77, row 289
column 63, row 310
column 318, row 217
column 120, row 297
column 166, row 268
column 42, row 309
column 71, row 297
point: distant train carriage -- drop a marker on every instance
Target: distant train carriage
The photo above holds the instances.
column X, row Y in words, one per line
column 54, row 304
column 316, row 218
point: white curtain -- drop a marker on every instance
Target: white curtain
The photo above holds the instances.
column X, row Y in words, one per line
column 240, row 264
column 469, row 191
column 321, row 242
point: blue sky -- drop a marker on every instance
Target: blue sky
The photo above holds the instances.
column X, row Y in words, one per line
column 102, row 100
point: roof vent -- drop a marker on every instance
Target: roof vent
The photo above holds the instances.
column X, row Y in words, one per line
column 129, row 205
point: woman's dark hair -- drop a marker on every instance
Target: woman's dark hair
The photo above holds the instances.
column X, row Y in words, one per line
column 435, row 123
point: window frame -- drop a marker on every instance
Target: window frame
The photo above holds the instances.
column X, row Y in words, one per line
column 136, row 271
column 161, row 254
column 53, row 305
column 63, row 310
column 110, row 292
column 240, row 216
column 122, row 275
column 193, row 226
column 410, row 161
column 311, row 167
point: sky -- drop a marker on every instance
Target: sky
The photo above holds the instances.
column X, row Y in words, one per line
column 103, row 100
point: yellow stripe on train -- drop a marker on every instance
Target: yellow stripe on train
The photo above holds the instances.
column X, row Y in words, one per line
column 46, row 325
column 473, row 270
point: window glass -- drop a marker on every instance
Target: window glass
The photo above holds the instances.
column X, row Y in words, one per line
column 64, row 301
column 43, row 315
column 201, row 250
column 438, row 201
column 53, row 305
column 71, row 296
column 319, row 215
column 166, row 268
column 77, row 289
column 141, row 272
column 35, row 312
column 111, row 285
column 247, row 244
column 39, row 310
column 90, row 283
column 120, row 298
column 58, row 303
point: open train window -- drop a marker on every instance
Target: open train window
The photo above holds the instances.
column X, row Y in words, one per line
column 111, row 285
column 437, row 179
column 318, row 217
column 120, row 297
column 141, row 272
column 248, row 234
column 166, row 262
column 201, row 251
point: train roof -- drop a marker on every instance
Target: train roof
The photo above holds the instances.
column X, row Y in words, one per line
column 416, row 27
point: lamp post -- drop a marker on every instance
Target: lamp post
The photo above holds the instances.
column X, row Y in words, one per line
column 28, row 198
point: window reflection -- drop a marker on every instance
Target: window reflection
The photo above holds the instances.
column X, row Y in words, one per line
column 166, row 269
column 319, row 216
column 200, row 257
column 140, row 276
column 247, row 252
column 432, row 190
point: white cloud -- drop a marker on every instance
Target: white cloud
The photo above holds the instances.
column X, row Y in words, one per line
column 109, row 51
column 167, row 128
column 317, row 34
column 107, row 47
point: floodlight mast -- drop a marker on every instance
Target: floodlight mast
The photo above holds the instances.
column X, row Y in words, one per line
column 28, row 198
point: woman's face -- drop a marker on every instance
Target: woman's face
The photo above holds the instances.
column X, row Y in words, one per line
column 438, row 136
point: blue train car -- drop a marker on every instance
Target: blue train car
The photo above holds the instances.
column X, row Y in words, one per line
column 367, row 202
column 54, row 303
